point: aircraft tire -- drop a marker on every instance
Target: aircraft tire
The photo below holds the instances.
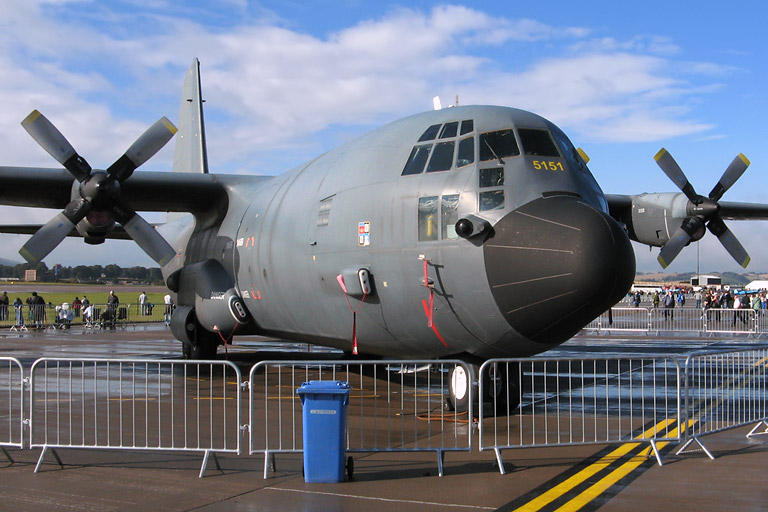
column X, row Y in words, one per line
column 458, row 385
column 202, row 351
column 350, row 467
column 501, row 388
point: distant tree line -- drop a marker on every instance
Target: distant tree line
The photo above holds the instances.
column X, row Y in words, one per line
column 83, row 273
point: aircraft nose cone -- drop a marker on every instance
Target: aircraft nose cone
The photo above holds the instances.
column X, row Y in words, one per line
column 555, row 264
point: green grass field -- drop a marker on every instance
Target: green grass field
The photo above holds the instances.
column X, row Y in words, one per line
column 97, row 295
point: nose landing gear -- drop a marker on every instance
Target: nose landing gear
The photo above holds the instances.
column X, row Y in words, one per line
column 501, row 388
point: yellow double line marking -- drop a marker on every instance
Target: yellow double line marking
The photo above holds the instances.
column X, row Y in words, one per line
column 604, row 483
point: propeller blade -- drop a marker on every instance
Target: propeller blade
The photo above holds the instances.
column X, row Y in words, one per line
column 718, row 228
column 51, row 234
column 731, row 174
column 145, row 147
column 672, row 248
column 51, row 140
column 150, row 241
column 675, row 173
column 145, row 236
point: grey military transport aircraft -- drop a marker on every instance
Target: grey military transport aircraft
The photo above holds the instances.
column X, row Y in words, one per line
column 470, row 232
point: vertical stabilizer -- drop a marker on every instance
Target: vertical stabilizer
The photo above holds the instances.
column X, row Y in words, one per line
column 191, row 154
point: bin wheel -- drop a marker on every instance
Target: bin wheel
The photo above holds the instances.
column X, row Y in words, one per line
column 350, row 467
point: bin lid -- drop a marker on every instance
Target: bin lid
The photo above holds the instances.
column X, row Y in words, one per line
column 324, row 386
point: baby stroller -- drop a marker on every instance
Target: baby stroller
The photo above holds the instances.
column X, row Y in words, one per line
column 64, row 316
column 107, row 319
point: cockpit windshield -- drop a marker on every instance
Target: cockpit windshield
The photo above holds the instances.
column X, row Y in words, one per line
column 498, row 145
column 538, row 143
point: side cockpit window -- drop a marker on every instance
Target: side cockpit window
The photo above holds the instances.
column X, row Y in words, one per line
column 442, row 155
column 466, row 153
column 447, row 215
column 417, row 160
column 430, row 133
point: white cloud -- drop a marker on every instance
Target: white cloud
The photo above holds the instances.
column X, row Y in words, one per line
column 269, row 87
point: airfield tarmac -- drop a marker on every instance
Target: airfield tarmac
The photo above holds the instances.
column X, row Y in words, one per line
column 536, row 479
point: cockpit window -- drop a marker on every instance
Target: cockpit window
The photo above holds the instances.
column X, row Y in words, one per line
column 442, row 157
column 466, row 153
column 430, row 133
column 449, row 130
column 497, row 145
column 417, row 160
column 493, row 177
column 538, row 143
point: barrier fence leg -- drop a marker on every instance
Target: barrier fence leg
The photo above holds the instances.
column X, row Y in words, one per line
column 205, row 462
column 8, row 455
column 42, row 456
column 698, row 441
column 269, row 463
column 500, row 462
column 751, row 432
column 656, row 452
column 440, row 460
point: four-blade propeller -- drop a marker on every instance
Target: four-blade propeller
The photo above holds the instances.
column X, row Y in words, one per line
column 702, row 211
column 98, row 191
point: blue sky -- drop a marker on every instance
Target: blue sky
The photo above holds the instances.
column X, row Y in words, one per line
column 287, row 80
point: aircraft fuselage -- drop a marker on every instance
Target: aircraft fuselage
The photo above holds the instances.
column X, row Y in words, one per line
column 536, row 258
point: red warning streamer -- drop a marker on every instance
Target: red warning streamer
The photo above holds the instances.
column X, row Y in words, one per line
column 429, row 308
column 340, row 279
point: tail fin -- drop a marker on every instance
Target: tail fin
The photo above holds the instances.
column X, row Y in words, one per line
column 191, row 154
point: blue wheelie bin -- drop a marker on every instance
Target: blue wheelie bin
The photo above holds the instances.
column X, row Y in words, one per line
column 324, row 418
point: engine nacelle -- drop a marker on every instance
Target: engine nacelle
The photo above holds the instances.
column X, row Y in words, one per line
column 655, row 217
column 206, row 290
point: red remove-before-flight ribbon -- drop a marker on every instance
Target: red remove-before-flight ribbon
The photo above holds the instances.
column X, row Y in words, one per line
column 429, row 307
column 340, row 279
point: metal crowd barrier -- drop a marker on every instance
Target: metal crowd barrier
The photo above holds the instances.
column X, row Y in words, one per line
column 647, row 320
column 394, row 406
column 12, row 425
column 731, row 321
column 725, row 390
column 162, row 405
column 570, row 401
column 50, row 316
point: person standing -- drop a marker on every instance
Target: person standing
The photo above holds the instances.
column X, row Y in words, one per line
column 143, row 304
column 37, row 304
column 76, row 306
column 4, row 302
column 668, row 303
column 18, row 305
column 168, row 302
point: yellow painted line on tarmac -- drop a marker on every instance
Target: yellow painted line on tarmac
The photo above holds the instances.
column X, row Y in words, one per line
column 614, row 476
column 561, row 489
column 607, row 482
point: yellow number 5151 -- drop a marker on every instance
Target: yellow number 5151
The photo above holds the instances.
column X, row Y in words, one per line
column 540, row 165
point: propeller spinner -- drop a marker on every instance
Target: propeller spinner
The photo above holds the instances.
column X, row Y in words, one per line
column 99, row 191
column 702, row 211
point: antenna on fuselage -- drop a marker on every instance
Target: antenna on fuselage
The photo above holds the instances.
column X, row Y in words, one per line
column 437, row 105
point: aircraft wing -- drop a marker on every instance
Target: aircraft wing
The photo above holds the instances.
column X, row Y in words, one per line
column 147, row 190
column 620, row 206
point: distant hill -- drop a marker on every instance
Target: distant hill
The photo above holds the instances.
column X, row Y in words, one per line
column 10, row 263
